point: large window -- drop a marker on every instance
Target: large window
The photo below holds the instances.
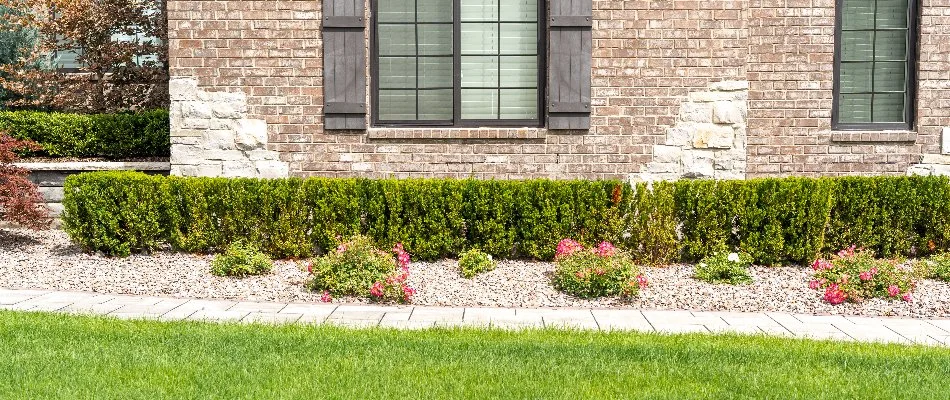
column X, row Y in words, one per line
column 874, row 64
column 457, row 62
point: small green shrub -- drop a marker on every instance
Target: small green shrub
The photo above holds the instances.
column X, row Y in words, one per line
column 723, row 267
column 474, row 262
column 352, row 269
column 122, row 135
column 240, row 260
column 855, row 275
column 597, row 272
column 936, row 267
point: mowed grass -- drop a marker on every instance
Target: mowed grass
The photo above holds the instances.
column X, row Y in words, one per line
column 60, row 356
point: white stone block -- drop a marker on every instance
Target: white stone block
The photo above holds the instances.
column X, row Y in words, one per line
column 728, row 112
column 182, row 89
column 695, row 112
column 223, row 155
column 711, row 136
column 228, row 109
column 272, row 169
column 698, row 164
column 667, row 154
column 217, row 140
column 250, row 134
column 945, row 141
column 678, row 136
column 238, row 169
column 263, row 155
column 222, row 124
column 195, row 109
column 195, row 123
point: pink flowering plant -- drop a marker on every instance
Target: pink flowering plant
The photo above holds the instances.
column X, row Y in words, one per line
column 602, row 270
column 357, row 268
column 855, row 275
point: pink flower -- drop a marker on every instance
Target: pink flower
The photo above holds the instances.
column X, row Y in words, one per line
column 893, row 290
column 605, row 249
column 341, row 248
column 407, row 293
column 326, row 297
column 642, row 281
column 310, row 268
column 821, row 264
column 403, row 259
column 580, row 274
column 874, row 271
column 814, row 285
column 834, row 295
column 866, row 276
column 906, row 297
column 377, row 289
column 567, row 247
column 398, row 249
column 844, row 253
column 600, row 272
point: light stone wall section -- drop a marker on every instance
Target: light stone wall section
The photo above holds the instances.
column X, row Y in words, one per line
column 211, row 135
column 708, row 139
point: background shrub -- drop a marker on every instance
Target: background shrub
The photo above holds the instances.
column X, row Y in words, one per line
column 936, row 267
column 775, row 220
column 241, row 259
column 474, row 262
column 723, row 267
column 123, row 135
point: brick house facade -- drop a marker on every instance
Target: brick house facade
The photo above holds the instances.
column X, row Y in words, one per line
column 681, row 88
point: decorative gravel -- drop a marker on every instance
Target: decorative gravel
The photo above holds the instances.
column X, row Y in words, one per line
column 48, row 260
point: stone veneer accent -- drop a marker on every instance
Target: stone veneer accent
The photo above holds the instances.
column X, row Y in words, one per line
column 212, row 136
column 709, row 138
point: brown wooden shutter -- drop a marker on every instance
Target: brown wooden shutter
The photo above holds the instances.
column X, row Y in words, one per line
column 569, row 69
column 344, row 64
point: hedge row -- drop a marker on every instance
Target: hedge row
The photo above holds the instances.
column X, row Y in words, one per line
column 123, row 135
column 775, row 220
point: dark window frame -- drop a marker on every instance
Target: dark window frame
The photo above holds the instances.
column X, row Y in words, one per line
column 910, row 94
column 457, row 121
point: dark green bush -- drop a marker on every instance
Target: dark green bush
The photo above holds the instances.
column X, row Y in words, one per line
column 774, row 220
column 241, row 259
column 116, row 213
column 132, row 134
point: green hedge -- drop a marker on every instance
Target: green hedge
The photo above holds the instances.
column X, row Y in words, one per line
column 133, row 134
column 776, row 220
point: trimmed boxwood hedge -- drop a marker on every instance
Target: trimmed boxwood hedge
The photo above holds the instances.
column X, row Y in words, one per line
column 776, row 220
column 122, row 135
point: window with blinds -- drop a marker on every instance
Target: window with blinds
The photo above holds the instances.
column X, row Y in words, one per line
column 874, row 64
column 457, row 62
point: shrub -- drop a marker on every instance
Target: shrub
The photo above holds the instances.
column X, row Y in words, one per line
column 123, row 135
column 474, row 262
column 774, row 220
column 20, row 200
column 855, row 275
column 116, row 220
column 596, row 272
column 936, row 267
column 358, row 268
column 241, row 259
column 731, row 268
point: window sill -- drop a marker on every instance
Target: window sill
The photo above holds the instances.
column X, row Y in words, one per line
column 873, row 136
column 456, row 133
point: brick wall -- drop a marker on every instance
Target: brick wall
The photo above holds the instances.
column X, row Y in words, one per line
column 648, row 57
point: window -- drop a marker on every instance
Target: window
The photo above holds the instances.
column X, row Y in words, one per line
column 457, row 62
column 874, row 64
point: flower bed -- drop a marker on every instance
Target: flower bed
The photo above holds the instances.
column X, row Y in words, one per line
column 855, row 275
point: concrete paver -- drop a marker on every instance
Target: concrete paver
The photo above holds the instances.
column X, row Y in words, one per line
column 836, row 327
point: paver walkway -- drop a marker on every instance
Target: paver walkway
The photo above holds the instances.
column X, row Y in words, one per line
column 896, row 330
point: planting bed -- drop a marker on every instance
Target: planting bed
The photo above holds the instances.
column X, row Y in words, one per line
column 48, row 260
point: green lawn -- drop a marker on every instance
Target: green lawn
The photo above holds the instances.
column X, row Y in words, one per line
column 59, row 356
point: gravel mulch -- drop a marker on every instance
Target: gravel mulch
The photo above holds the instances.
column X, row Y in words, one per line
column 48, row 260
